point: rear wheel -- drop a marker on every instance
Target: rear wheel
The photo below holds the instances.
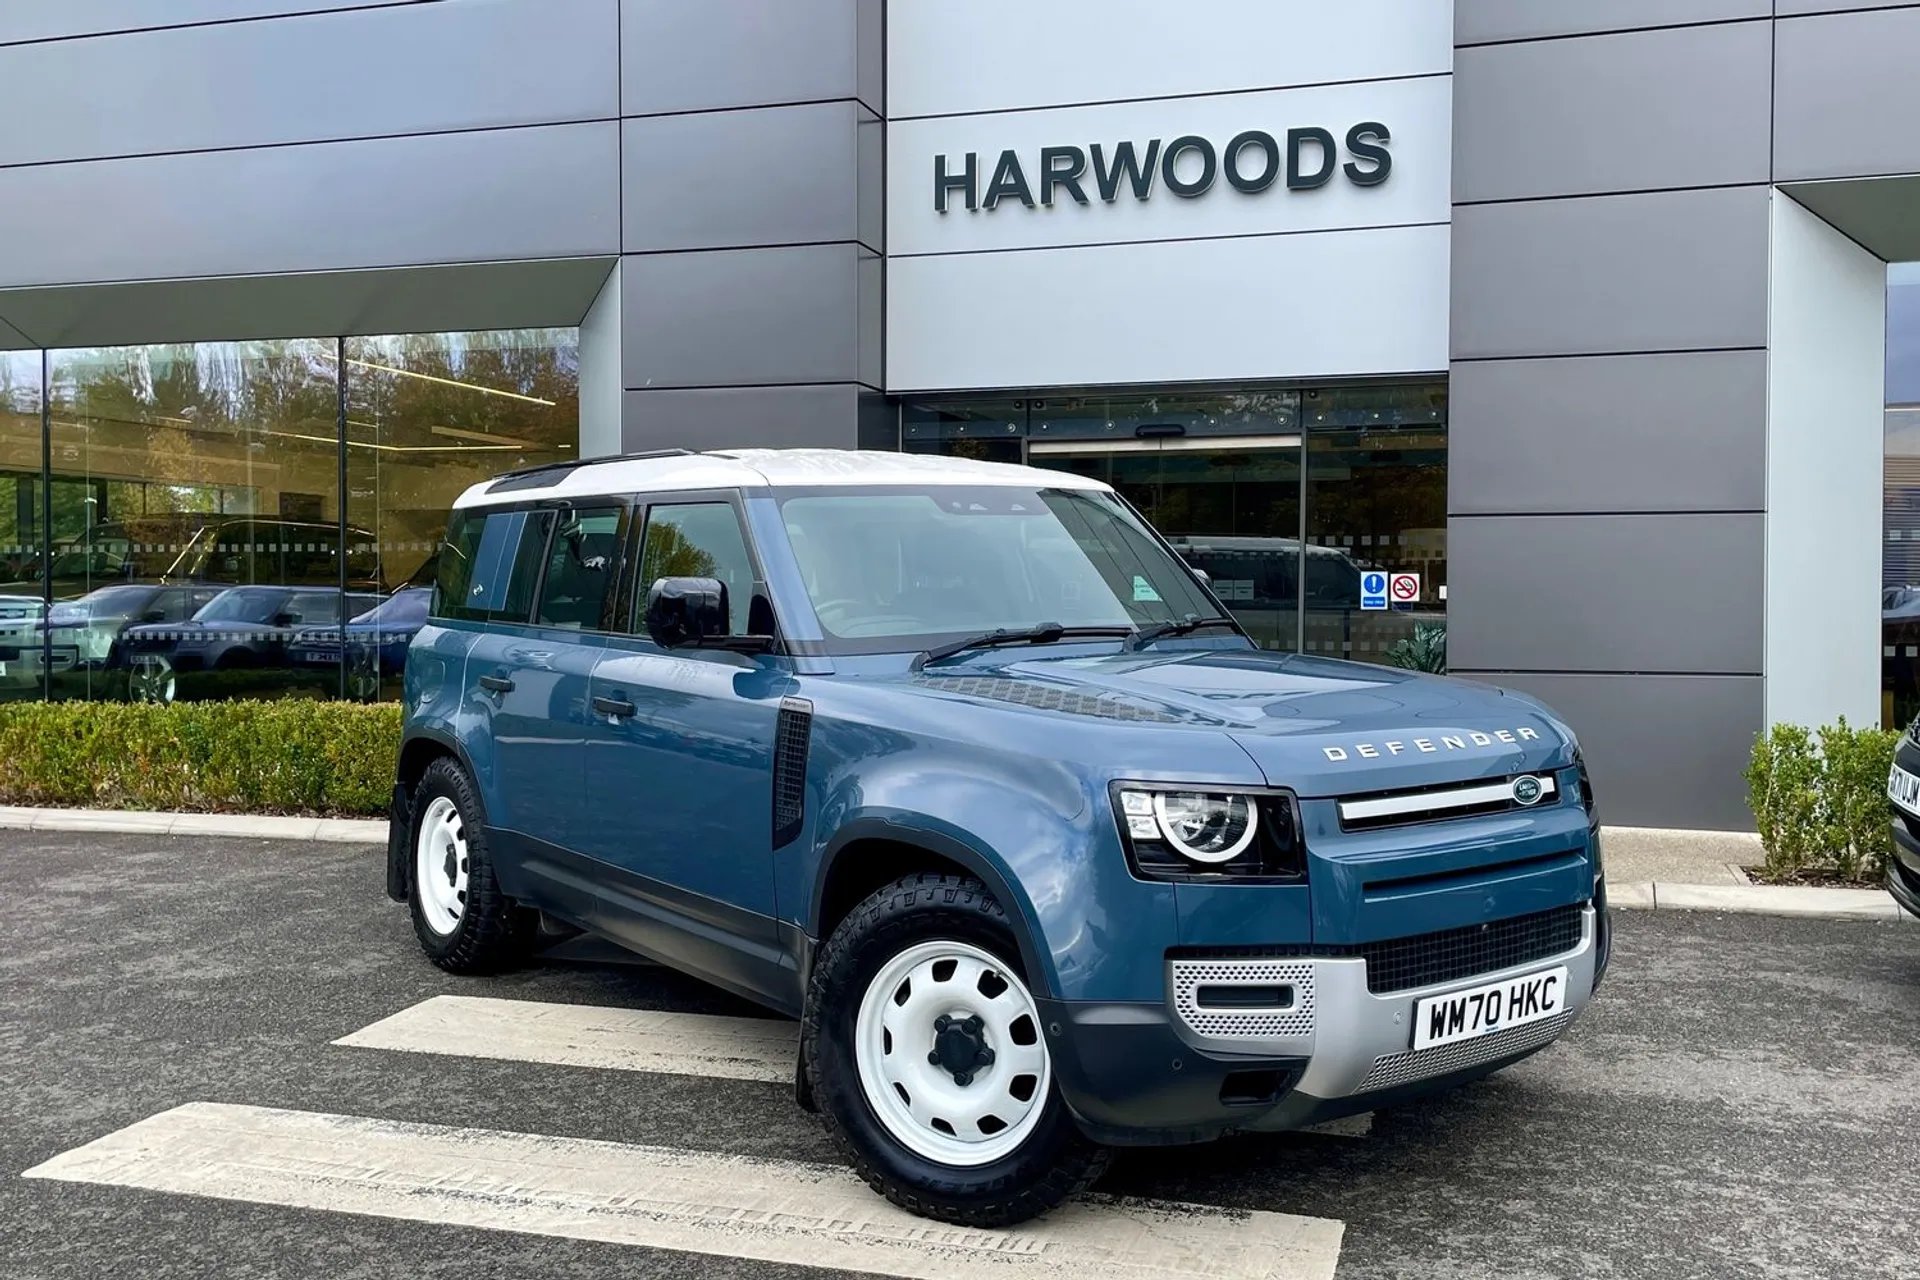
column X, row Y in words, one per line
column 926, row 1055
column 464, row 923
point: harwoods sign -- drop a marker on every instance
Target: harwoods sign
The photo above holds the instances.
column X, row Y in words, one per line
column 1188, row 166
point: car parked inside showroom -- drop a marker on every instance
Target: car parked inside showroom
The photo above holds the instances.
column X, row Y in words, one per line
column 242, row 632
column 375, row 642
column 959, row 764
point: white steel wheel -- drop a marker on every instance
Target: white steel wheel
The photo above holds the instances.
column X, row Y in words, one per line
column 441, row 866
column 948, row 1049
column 152, row 679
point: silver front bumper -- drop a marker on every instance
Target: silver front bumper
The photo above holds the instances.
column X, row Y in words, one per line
column 1357, row 1042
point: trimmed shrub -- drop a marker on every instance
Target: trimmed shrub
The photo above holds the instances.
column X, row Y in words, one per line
column 320, row 759
column 1819, row 800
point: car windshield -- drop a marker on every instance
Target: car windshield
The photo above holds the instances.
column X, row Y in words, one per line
column 243, row 604
column 123, row 551
column 889, row 569
column 108, row 602
column 406, row 609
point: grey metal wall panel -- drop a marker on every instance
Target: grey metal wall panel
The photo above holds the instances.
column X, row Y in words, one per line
column 1665, row 751
column 742, row 418
column 870, row 47
column 1687, row 107
column 1844, row 94
column 59, row 19
column 1479, row 21
column 489, row 295
column 1627, row 593
column 742, row 317
column 870, row 283
column 1796, row 8
column 1609, row 433
column 870, row 140
column 698, row 55
column 355, row 74
column 723, row 179
column 1657, row 272
column 548, row 192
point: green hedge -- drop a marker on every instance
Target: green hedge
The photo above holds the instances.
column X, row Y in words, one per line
column 1819, row 799
column 294, row 756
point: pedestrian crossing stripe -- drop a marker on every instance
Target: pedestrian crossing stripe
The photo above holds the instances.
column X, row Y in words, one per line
column 776, row 1211
column 576, row 1035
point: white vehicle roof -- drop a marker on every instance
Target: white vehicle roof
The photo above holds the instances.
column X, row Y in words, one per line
column 771, row 468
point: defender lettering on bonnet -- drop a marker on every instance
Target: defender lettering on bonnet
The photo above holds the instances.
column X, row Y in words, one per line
column 1430, row 746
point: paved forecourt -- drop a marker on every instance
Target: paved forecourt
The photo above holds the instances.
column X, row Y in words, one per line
column 226, row 1057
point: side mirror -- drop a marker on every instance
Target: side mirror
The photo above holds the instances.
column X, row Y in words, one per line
column 154, row 615
column 285, row 619
column 686, row 611
column 1206, row 579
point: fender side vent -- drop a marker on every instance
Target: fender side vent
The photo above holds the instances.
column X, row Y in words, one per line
column 791, row 738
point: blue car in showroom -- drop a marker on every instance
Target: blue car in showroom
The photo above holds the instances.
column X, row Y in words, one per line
column 963, row 767
column 375, row 642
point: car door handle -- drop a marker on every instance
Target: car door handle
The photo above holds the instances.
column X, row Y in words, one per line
column 618, row 708
column 496, row 684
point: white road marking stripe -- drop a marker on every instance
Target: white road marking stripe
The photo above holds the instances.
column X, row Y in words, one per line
column 736, row 1206
column 578, row 1035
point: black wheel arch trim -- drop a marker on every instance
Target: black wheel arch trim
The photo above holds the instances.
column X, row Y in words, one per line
column 400, row 808
column 974, row 862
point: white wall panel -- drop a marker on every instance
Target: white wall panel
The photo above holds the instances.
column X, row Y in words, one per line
column 1417, row 114
column 1825, row 441
column 947, row 56
column 1343, row 303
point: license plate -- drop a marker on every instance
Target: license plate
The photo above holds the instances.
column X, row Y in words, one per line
column 1903, row 789
column 1466, row 1015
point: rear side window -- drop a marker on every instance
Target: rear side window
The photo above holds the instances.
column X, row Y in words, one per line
column 476, row 563
column 580, row 569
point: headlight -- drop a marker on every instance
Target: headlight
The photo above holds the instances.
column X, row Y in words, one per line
column 1187, row 834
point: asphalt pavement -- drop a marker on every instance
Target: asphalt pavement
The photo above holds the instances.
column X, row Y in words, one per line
column 1743, row 1100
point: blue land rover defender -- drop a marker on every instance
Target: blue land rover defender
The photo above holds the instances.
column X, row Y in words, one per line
column 960, row 765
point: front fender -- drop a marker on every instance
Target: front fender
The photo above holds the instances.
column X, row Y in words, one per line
column 1030, row 829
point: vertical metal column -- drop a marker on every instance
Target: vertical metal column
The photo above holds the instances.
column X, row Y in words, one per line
column 46, row 525
column 340, row 369
column 1300, row 548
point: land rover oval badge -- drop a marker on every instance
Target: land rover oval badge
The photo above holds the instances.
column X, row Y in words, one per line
column 1526, row 791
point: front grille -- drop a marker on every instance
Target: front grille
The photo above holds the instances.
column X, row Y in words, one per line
column 1406, row 1068
column 1445, row 802
column 1427, row 959
column 1402, row 964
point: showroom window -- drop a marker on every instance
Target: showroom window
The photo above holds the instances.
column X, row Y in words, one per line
column 1287, row 499
column 220, row 520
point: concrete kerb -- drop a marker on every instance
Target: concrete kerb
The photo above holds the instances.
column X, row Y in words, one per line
column 221, row 825
column 1712, row 856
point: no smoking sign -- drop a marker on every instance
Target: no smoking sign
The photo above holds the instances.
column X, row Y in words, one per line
column 1404, row 588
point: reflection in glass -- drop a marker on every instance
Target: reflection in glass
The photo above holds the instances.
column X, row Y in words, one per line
column 430, row 415
column 1900, row 556
column 204, row 466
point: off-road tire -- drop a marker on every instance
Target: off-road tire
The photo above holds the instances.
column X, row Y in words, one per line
column 1055, row 1163
column 495, row 933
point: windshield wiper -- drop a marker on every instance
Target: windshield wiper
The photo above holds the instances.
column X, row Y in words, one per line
column 1045, row 633
column 1183, row 626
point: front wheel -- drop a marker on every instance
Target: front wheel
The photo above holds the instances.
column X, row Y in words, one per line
column 926, row 1055
column 152, row 680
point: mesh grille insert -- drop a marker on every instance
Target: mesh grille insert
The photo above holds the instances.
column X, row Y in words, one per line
column 1405, row 1068
column 1426, row 959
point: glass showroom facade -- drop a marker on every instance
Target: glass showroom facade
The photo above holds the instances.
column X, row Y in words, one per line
column 1283, row 497
column 250, row 518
